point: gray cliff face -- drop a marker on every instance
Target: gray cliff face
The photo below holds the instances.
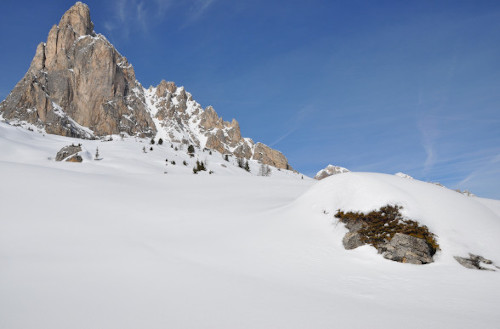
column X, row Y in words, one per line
column 78, row 85
column 77, row 78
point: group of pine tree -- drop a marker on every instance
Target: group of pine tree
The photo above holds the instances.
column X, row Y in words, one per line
column 264, row 169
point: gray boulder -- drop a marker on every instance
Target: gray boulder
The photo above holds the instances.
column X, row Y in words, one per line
column 67, row 151
column 407, row 249
column 474, row 262
column 352, row 240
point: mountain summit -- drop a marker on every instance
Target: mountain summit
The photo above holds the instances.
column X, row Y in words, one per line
column 79, row 85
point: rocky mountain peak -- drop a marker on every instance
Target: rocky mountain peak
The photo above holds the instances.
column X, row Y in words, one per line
column 164, row 86
column 78, row 18
column 79, row 85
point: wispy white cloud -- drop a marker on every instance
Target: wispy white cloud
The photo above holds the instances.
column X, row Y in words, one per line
column 199, row 7
column 163, row 6
column 295, row 123
column 141, row 13
column 429, row 135
column 488, row 166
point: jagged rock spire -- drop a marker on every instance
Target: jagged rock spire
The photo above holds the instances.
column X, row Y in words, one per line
column 78, row 18
column 78, row 80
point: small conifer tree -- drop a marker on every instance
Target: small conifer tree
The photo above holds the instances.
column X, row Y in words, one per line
column 264, row 170
column 240, row 162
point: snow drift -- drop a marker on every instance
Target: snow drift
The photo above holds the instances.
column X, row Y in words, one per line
column 118, row 243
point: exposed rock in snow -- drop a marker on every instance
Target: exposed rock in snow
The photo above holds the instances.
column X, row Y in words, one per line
column 476, row 262
column 352, row 240
column 74, row 158
column 466, row 192
column 403, row 175
column 378, row 228
column 329, row 171
column 405, row 248
column 68, row 151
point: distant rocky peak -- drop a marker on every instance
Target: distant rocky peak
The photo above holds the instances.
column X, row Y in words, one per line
column 403, row 175
column 329, row 171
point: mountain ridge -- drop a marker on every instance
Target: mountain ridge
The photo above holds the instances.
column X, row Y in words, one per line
column 79, row 85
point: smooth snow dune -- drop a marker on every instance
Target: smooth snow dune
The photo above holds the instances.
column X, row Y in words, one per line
column 119, row 244
column 462, row 224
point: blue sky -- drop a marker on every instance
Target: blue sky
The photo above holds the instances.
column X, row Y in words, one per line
column 384, row 86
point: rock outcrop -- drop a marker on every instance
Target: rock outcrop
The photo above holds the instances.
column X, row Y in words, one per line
column 352, row 240
column 329, row 171
column 69, row 153
column 405, row 248
column 390, row 234
column 476, row 262
column 79, row 85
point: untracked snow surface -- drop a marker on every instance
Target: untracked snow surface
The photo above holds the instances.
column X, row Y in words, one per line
column 132, row 241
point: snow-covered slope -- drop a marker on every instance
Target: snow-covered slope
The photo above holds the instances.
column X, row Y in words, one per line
column 122, row 155
column 462, row 224
column 117, row 243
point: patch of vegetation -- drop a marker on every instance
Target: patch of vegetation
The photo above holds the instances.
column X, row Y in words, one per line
column 191, row 150
column 379, row 226
column 200, row 166
column 242, row 163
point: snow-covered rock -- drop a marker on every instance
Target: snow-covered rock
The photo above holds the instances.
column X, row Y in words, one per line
column 68, row 151
column 329, row 171
column 403, row 175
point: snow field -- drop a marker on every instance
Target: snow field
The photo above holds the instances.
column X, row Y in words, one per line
column 117, row 243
